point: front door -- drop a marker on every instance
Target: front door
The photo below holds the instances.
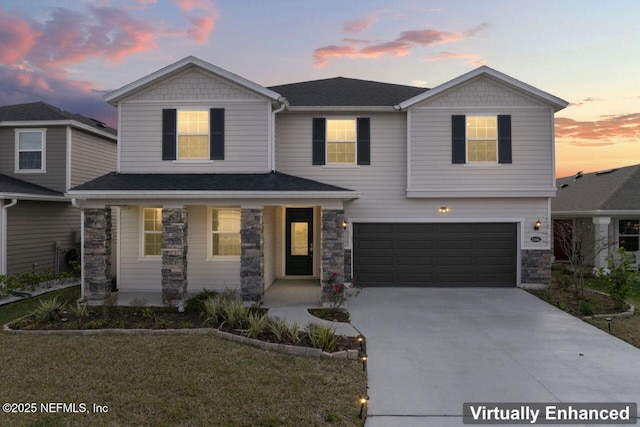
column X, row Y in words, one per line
column 299, row 236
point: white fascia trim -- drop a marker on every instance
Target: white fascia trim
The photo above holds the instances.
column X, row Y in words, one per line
column 121, row 93
column 24, row 196
column 327, row 108
column 41, row 123
column 436, row 220
column 480, row 192
column 134, row 195
column 119, row 143
column 557, row 103
column 67, row 184
column 575, row 214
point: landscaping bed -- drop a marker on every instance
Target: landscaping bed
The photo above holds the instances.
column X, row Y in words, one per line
column 331, row 314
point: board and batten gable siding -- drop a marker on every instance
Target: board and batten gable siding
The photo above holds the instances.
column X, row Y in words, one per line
column 246, row 127
column 33, row 229
column 91, row 157
column 531, row 140
column 56, row 155
column 383, row 184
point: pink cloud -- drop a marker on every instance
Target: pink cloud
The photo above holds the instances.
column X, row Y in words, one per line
column 16, row 37
column 359, row 25
column 608, row 130
column 202, row 26
column 189, row 5
column 401, row 46
column 473, row 59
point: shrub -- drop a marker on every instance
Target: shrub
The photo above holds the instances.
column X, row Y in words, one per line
column 618, row 278
column 280, row 329
column 323, row 337
column 48, row 310
column 235, row 314
column 257, row 324
column 195, row 304
column 79, row 310
column 213, row 310
column 340, row 293
column 585, row 308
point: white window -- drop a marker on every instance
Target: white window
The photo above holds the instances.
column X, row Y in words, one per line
column 30, row 150
column 629, row 234
column 193, row 134
column 151, row 232
column 225, row 232
column 482, row 139
column 341, row 142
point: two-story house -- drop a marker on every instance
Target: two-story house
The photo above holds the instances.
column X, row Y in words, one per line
column 224, row 183
column 44, row 151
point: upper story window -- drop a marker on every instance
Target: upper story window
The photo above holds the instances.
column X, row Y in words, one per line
column 225, row 232
column 151, row 232
column 193, row 134
column 30, row 150
column 629, row 234
column 341, row 142
column 482, row 139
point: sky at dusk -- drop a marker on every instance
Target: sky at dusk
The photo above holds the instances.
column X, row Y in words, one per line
column 70, row 53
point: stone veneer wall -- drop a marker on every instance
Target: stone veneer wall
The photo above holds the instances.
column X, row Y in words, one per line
column 174, row 254
column 97, row 252
column 536, row 266
column 252, row 255
column 332, row 249
column 347, row 265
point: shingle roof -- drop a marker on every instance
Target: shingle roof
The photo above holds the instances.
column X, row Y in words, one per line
column 15, row 186
column 205, row 182
column 41, row 111
column 342, row 91
column 614, row 189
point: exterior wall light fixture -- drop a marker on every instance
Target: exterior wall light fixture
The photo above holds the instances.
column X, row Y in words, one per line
column 443, row 209
column 537, row 225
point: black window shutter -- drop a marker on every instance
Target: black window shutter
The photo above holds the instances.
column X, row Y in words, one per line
column 318, row 141
column 169, row 116
column 458, row 139
column 504, row 139
column 216, row 137
column 364, row 141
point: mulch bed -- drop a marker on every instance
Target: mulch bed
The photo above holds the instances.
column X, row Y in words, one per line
column 564, row 298
column 331, row 314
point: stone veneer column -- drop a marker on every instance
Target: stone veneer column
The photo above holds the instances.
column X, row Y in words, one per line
column 97, row 252
column 332, row 249
column 536, row 266
column 251, row 255
column 174, row 254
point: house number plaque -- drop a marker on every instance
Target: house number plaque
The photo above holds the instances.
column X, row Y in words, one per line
column 535, row 239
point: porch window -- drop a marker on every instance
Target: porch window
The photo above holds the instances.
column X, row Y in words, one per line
column 629, row 234
column 152, row 231
column 225, row 232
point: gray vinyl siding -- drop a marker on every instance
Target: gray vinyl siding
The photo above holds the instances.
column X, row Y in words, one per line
column 91, row 157
column 531, row 139
column 135, row 275
column 246, row 138
column 383, row 184
column 33, row 229
column 56, row 154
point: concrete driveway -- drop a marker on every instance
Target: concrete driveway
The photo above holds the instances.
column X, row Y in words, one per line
column 431, row 350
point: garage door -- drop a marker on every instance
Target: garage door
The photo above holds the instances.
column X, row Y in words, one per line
column 448, row 255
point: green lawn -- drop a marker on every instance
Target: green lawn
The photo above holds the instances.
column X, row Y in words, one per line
column 173, row 380
column 12, row 311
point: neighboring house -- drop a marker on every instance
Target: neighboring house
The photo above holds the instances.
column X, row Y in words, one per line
column 44, row 151
column 605, row 207
column 224, row 183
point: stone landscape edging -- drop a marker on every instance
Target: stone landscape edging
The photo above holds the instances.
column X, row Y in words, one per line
column 264, row 345
column 627, row 313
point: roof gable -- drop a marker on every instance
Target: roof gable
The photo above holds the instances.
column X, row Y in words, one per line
column 187, row 63
column 614, row 189
column 531, row 91
column 346, row 92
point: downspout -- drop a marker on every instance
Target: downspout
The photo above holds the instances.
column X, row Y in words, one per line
column 3, row 232
column 272, row 166
column 74, row 203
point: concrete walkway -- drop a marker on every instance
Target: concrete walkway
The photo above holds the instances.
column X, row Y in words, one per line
column 431, row 350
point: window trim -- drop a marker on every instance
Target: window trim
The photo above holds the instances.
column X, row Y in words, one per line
column 210, row 232
column 142, row 255
column 619, row 235
column 355, row 142
column 466, row 142
column 43, row 162
column 207, row 158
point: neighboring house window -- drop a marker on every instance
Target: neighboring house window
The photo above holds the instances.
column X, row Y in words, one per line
column 225, row 232
column 629, row 234
column 30, row 150
column 152, row 231
column 193, row 134
column 481, row 139
column 341, row 141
